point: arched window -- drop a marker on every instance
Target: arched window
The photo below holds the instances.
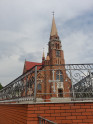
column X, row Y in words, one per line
column 58, row 61
column 59, row 75
column 39, row 87
column 56, row 45
column 58, row 53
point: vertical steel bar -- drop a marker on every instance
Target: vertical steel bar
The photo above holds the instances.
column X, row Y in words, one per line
column 40, row 121
column 35, row 85
column 91, row 79
column 26, row 87
column 18, row 89
column 71, row 81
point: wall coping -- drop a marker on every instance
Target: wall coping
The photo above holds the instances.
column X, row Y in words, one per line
column 29, row 102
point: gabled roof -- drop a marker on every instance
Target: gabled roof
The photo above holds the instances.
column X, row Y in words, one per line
column 28, row 65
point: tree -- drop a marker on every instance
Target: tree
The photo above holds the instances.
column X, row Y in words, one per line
column 1, row 86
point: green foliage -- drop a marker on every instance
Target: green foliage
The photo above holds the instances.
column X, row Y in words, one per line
column 1, row 86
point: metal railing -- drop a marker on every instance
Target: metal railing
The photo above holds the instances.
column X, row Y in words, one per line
column 45, row 121
column 72, row 81
column 18, row 88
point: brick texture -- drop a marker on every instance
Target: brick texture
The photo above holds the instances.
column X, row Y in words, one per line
column 61, row 113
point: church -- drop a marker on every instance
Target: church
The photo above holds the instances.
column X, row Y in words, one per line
column 52, row 80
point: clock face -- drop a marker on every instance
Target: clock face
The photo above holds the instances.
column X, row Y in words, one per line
column 57, row 53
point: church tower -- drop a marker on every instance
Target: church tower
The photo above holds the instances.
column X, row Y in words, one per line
column 55, row 54
column 55, row 62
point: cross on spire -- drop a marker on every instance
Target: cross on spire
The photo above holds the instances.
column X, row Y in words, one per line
column 53, row 13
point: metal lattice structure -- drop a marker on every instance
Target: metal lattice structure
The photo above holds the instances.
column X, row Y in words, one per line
column 25, row 86
column 45, row 121
column 84, row 88
column 18, row 88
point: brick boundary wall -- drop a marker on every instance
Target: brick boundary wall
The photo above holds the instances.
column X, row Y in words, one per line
column 61, row 113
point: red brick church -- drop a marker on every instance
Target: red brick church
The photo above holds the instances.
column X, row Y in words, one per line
column 52, row 82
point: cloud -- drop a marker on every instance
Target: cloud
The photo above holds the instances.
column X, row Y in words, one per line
column 33, row 57
column 25, row 28
column 82, row 23
column 10, row 68
column 78, row 48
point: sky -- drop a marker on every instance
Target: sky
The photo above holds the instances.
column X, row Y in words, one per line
column 25, row 27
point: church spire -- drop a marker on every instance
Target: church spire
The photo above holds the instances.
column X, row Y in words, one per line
column 43, row 54
column 53, row 28
column 43, row 57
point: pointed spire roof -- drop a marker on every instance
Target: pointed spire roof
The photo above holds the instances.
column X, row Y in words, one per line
column 47, row 58
column 43, row 54
column 43, row 57
column 53, row 28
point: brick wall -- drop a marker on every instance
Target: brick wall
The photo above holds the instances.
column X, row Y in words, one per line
column 61, row 113
column 13, row 114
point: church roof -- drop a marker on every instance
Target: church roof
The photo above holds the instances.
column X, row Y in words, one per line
column 29, row 65
column 53, row 28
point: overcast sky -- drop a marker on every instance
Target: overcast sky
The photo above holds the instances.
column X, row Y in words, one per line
column 25, row 27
